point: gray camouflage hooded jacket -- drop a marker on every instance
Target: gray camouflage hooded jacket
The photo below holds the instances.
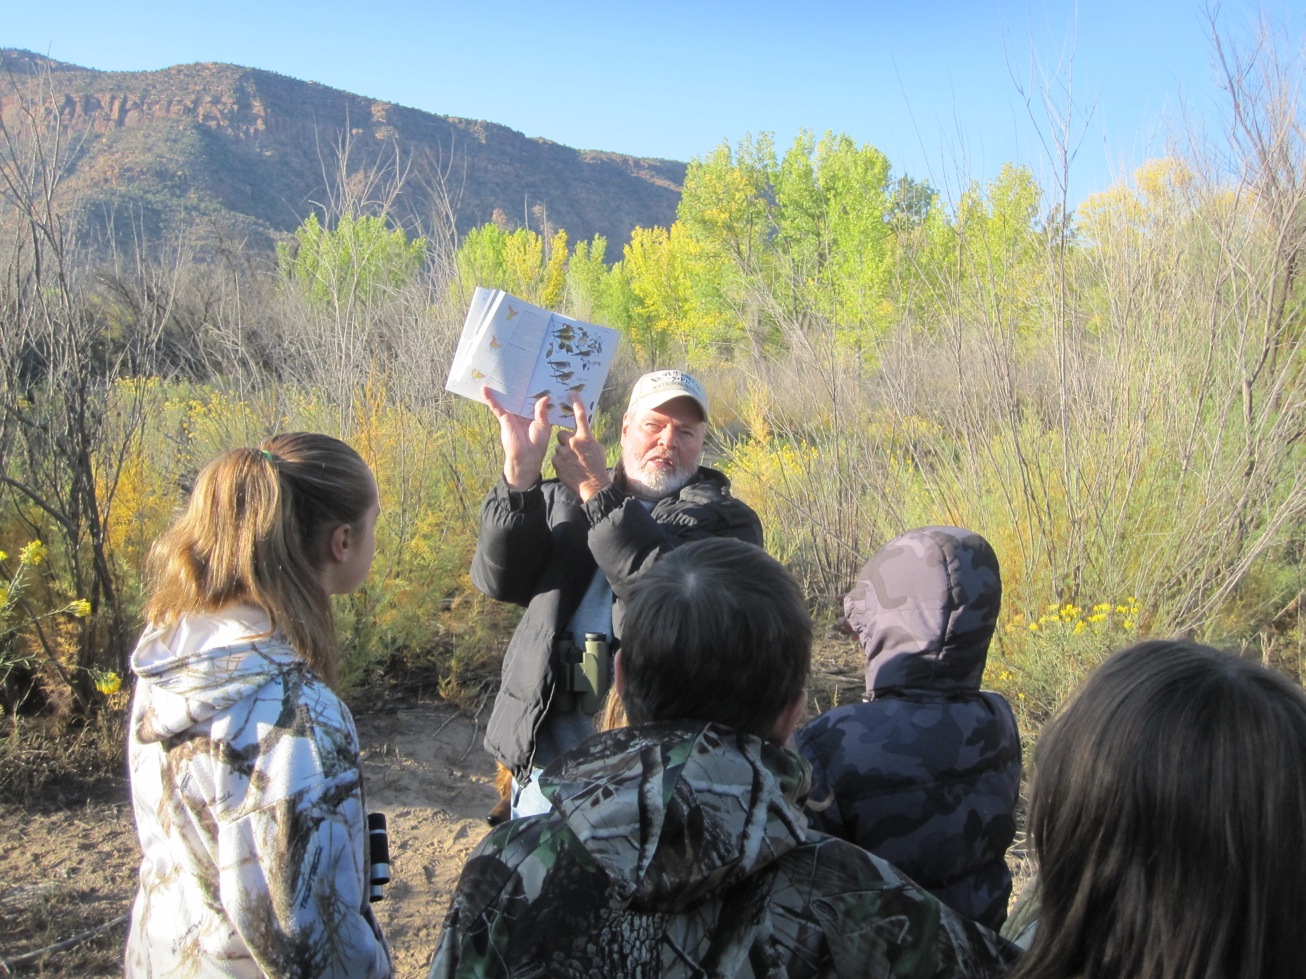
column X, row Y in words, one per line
column 926, row 772
column 249, row 809
column 540, row 547
column 680, row 849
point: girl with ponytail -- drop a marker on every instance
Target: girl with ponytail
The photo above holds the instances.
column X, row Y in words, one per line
column 244, row 762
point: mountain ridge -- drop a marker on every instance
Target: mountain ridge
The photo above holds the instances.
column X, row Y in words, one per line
column 251, row 152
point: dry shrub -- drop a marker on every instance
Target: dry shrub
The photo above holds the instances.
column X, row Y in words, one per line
column 42, row 752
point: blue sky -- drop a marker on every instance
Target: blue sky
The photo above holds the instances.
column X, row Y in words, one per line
column 935, row 84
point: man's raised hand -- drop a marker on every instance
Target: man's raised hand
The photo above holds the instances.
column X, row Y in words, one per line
column 580, row 460
column 525, row 441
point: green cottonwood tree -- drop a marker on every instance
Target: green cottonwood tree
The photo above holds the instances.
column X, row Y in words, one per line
column 853, row 199
column 672, row 285
column 989, row 263
column 587, row 280
column 1014, row 253
column 350, row 262
column 519, row 262
column 724, row 204
column 806, row 240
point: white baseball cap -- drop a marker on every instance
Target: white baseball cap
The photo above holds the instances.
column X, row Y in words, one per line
column 656, row 389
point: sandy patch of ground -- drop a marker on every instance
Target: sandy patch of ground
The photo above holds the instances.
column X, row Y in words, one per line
column 425, row 768
column 70, row 866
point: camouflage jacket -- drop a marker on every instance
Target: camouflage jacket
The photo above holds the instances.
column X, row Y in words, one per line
column 540, row 548
column 680, row 850
column 249, row 808
column 926, row 772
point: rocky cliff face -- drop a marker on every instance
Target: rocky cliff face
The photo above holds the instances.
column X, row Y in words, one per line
column 254, row 153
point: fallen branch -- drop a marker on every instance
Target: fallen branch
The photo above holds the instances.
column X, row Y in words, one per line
column 60, row 946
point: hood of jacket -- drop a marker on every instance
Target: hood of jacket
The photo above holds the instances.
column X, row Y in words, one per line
column 924, row 609
column 203, row 664
column 675, row 812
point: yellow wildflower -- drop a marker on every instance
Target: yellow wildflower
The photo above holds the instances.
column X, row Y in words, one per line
column 1097, row 617
column 80, row 608
column 1032, row 627
column 1127, row 624
column 4, row 556
column 108, row 683
column 1080, row 626
column 33, row 554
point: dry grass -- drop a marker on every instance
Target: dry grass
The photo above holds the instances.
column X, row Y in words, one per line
column 38, row 753
column 838, row 672
column 68, row 865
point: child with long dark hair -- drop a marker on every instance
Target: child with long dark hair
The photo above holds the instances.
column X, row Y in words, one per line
column 1167, row 806
column 244, row 763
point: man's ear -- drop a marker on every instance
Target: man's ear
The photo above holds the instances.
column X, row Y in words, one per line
column 787, row 722
column 618, row 675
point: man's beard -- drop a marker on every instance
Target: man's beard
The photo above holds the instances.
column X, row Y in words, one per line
column 651, row 482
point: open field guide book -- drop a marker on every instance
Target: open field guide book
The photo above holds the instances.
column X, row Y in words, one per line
column 521, row 351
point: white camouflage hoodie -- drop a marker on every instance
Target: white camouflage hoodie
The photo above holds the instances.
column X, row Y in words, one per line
column 249, row 807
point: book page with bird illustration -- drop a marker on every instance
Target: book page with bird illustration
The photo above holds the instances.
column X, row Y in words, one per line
column 522, row 352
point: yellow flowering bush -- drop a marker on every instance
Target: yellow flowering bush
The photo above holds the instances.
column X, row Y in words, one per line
column 17, row 613
column 33, row 554
column 766, row 472
column 1043, row 655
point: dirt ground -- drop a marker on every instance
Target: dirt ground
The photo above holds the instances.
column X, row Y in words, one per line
column 70, row 867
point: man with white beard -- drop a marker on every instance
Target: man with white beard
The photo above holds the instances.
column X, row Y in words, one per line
column 568, row 549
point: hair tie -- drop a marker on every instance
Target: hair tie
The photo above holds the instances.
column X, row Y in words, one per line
column 269, row 456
